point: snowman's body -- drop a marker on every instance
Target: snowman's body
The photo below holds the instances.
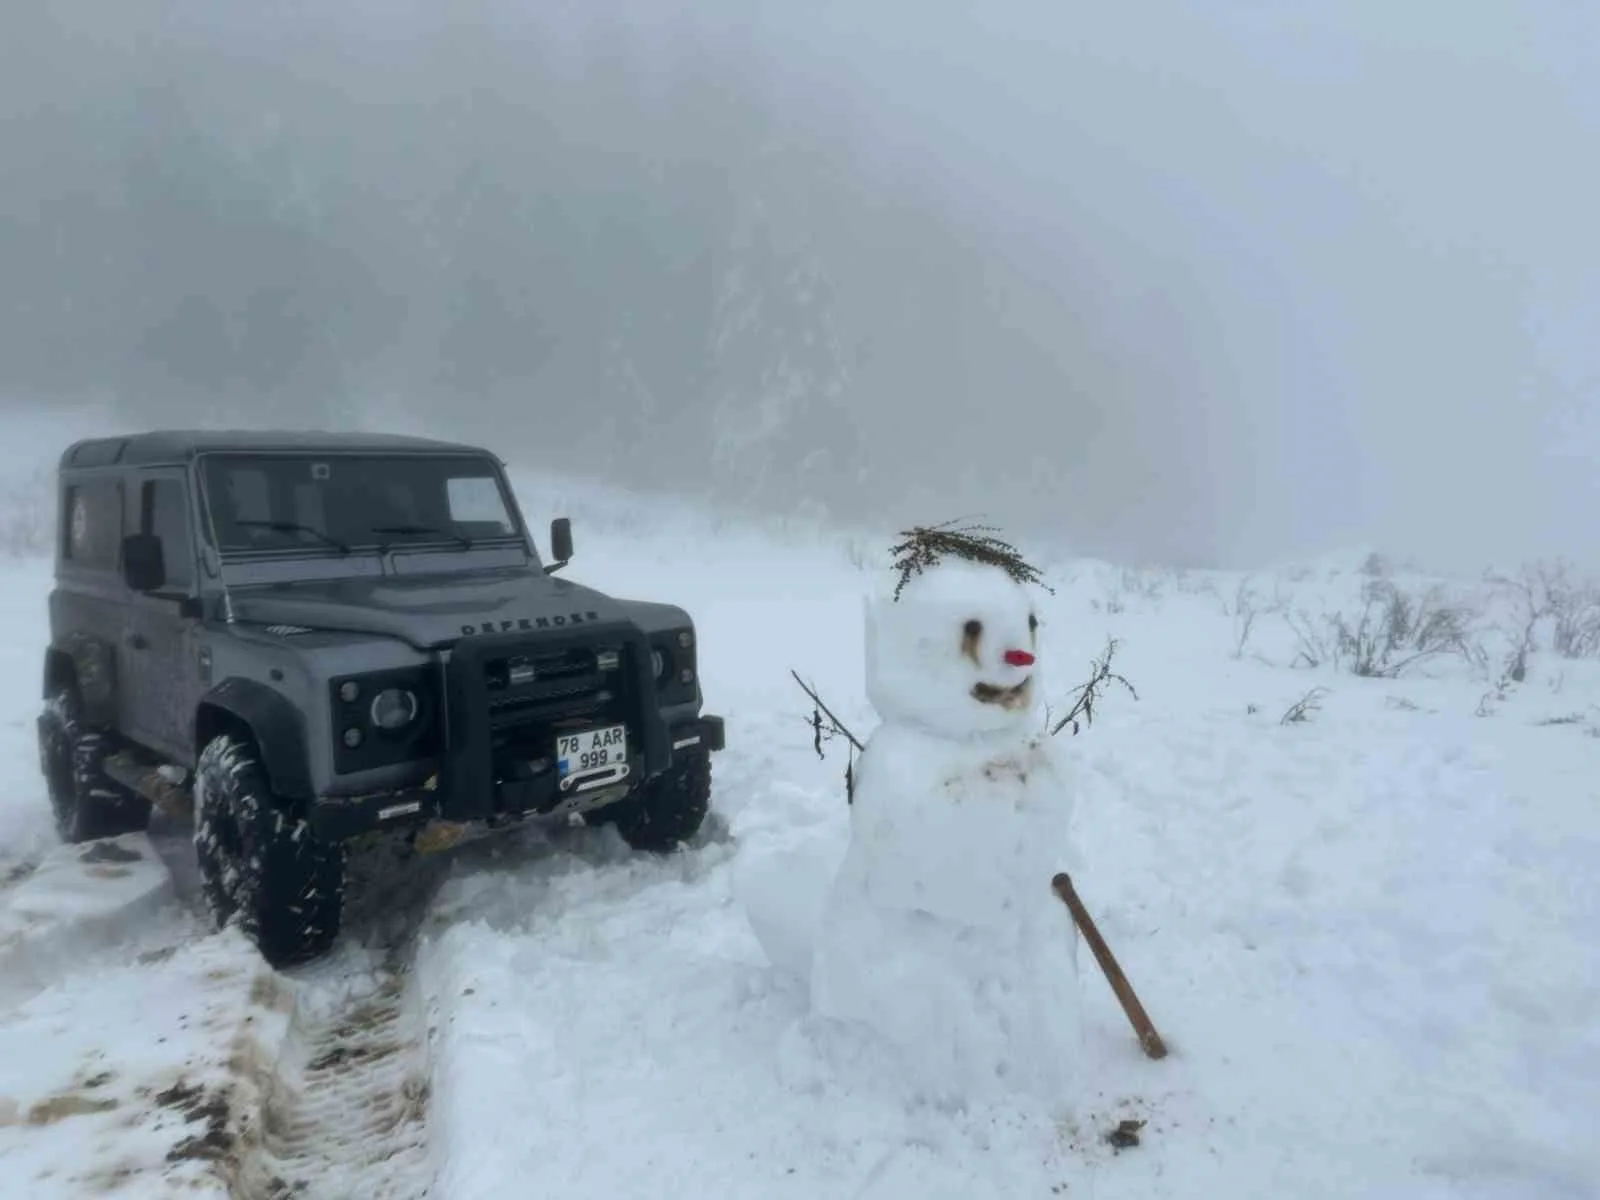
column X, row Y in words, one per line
column 941, row 932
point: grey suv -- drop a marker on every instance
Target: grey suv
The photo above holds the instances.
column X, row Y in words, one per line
column 300, row 639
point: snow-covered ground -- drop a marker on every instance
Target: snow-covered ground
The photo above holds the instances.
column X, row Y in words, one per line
column 1368, row 939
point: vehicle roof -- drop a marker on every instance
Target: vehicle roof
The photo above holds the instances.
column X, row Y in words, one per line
column 163, row 447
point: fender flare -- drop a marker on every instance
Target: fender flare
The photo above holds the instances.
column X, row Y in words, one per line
column 276, row 725
column 89, row 665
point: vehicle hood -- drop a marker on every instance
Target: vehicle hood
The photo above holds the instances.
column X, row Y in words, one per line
column 434, row 612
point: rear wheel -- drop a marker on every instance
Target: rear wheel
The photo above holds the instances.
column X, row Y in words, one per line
column 664, row 811
column 87, row 803
column 260, row 866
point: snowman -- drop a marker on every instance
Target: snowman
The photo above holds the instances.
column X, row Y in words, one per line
column 940, row 936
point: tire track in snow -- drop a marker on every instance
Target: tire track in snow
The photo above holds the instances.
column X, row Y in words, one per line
column 342, row 1105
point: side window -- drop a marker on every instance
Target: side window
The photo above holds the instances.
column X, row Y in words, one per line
column 164, row 511
column 91, row 519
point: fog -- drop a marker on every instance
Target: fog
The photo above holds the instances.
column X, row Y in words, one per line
column 1210, row 284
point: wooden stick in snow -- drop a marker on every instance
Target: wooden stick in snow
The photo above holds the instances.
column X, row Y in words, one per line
column 1149, row 1039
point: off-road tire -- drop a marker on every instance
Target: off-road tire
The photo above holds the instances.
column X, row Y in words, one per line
column 87, row 803
column 260, row 866
column 664, row 811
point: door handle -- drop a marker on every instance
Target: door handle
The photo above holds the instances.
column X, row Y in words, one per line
column 137, row 640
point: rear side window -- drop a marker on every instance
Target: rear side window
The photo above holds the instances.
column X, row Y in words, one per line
column 164, row 511
column 91, row 524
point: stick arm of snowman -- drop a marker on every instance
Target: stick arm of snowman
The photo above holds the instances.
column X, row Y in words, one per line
column 1149, row 1039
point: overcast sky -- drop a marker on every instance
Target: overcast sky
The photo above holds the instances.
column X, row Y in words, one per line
column 1337, row 264
column 1378, row 226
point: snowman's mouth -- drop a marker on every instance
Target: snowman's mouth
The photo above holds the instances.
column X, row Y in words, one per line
column 1011, row 698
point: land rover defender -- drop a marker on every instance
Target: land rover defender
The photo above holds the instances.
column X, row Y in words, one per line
column 295, row 640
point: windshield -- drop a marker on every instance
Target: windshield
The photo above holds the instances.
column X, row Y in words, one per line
column 339, row 502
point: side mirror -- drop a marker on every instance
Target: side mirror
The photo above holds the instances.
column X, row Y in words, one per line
column 560, row 544
column 144, row 566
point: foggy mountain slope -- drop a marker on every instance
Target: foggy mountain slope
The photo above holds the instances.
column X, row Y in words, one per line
column 1209, row 287
column 625, row 248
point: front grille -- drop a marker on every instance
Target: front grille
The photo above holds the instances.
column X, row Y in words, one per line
column 536, row 687
column 534, row 690
column 510, row 695
column 516, row 671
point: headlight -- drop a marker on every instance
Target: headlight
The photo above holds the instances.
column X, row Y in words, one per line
column 658, row 662
column 394, row 708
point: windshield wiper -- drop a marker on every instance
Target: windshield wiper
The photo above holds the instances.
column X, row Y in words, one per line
column 466, row 542
column 297, row 527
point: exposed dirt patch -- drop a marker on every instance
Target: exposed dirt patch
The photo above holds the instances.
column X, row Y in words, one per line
column 1121, row 1125
column 269, row 992
column 180, row 1096
column 109, row 1181
column 1125, row 1136
column 108, row 872
column 199, row 1106
column 344, row 1109
column 348, row 1055
column 68, row 1104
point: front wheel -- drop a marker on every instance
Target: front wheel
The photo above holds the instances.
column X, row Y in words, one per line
column 664, row 811
column 260, row 865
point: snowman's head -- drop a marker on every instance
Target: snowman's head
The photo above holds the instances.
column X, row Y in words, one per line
column 956, row 654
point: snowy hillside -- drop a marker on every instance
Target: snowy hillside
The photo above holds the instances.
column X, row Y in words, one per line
column 1367, row 936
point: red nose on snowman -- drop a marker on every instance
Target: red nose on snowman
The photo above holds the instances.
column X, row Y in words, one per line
column 1018, row 658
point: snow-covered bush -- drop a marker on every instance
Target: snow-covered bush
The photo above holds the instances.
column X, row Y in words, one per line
column 1248, row 606
column 1391, row 631
column 1572, row 607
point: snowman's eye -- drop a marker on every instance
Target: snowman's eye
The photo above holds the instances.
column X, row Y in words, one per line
column 1033, row 623
column 971, row 632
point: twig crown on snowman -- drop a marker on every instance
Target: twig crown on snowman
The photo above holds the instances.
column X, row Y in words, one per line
column 925, row 546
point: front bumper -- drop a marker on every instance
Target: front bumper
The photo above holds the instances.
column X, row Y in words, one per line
column 532, row 793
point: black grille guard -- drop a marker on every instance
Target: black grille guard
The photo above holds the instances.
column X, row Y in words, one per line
column 467, row 774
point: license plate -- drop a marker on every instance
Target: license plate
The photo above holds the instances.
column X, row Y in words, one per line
column 591, row 750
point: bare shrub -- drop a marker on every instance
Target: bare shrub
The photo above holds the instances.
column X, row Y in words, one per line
column 1575, row 613
column 1394, row 631
column 1312, row 646
column 1087, row 694
column 1193, row 583
column 1534, row 604
column 1391, row 632
column 1148, row 585
column 1501, row 690
column 1576, row 718
column 1550, row 595
column 1247, row 608
column 1303, row 709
